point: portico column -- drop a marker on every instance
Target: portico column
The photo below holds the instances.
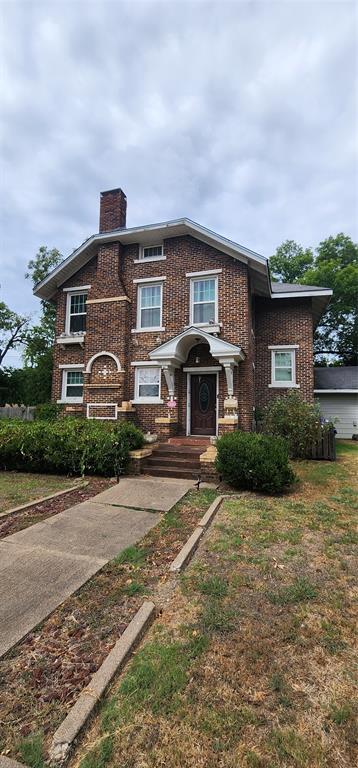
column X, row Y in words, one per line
column 168, row 371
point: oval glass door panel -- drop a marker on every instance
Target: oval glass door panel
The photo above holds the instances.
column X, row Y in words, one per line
column 203, row 397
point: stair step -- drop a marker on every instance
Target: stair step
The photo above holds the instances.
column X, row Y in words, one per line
column 173, row 461
column 159, row 471
column 193, row 442
column 177, row 454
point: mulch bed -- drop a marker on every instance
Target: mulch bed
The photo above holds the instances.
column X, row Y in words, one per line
column 42, row 676
column 38, row 512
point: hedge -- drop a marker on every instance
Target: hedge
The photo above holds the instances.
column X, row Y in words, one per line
column 68, row 446
column 255, row 462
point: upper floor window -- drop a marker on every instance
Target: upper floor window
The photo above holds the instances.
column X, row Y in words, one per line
column 150, row 299
column 151, row 252
column 76, row 312
column 204, row 301
column 283, row 366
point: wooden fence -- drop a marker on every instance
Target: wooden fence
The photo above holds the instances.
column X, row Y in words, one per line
column 325, row 447
column 23, row 412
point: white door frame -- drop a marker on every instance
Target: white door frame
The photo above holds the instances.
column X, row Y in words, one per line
column 196, row 372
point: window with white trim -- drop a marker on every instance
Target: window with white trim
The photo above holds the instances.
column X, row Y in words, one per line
column 283, row 367
column 151, row 252
column 203, row 301
column 76, row 312
column 150, row 299
column 147, row 384
column 72, row 386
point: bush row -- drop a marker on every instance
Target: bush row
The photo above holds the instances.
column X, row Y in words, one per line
column 254, row 461
column 68, row 446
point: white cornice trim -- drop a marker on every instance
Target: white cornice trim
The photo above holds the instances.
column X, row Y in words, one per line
column 336, row 391
column 301, row 294
column 70, row 366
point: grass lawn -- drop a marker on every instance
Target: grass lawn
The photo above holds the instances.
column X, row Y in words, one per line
column 20, row 487
column 251, row 662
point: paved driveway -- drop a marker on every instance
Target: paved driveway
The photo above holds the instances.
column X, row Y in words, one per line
column 45, row 563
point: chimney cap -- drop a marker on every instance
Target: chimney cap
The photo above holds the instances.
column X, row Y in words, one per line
column 112, row 191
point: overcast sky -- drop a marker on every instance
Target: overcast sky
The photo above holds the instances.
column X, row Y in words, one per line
column 239, row 115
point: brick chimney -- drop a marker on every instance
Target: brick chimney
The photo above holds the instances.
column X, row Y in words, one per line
column 113, row 210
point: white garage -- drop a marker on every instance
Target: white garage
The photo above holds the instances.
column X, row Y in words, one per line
column 336, row 390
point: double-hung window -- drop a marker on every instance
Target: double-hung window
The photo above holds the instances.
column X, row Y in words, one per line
column 283, row 366
column 76, row 312
column 204, row 304
column 72, row 386
column 152, row 252
column 150, row 298
column 147, row 384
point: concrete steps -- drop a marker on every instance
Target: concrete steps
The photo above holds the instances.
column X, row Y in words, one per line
column 179, row 457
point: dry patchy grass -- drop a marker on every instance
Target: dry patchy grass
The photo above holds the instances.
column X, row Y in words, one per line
column 252, row 662
column 18, row 488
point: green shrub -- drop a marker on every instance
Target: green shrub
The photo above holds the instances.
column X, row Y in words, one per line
column 67, row 446
column 256, row 462
column 295, row 420
column 48, row 411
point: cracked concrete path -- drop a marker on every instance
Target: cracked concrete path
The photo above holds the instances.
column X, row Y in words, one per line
column 42, row 565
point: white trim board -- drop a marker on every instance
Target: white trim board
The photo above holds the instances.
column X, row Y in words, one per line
column 335, row 391
column 79, row 288
column 210, row 369
column 204, row 273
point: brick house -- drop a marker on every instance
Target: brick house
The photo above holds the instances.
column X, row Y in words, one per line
column 175, row 327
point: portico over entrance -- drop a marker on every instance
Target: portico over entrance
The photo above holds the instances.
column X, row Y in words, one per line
column 198, row 385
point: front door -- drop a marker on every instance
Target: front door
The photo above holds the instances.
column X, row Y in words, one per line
column 203, row 404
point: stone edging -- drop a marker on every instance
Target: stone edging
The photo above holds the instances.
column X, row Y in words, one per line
column 43, row 498
column 190, row 546
column 72, row 724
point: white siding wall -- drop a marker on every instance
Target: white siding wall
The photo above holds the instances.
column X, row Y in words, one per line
column 342, row 409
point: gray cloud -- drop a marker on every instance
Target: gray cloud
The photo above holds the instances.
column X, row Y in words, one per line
column 240, row 115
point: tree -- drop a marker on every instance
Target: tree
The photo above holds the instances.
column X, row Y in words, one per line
column 12, row 330
column 290, row 262
column 334, row 265
column 40, row 339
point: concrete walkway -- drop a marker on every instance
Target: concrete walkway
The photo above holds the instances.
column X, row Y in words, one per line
column 45, row 563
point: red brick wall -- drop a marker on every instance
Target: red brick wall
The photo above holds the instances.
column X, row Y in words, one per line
column 113, row 210
column 109, row 326
column 283, row 322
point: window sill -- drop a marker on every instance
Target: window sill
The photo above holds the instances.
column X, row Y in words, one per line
column 148, row 261
column 147, row 330
column 71, row 339
column 148, row 401
column 284, row 385
column 79, row 401
column 207, row 327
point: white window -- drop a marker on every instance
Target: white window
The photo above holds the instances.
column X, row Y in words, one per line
column 76, row 312
column 204, row 301
column 72, row 386
column 152, row 252
column 283, row 366
column 147, row 385
column 150, row 306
